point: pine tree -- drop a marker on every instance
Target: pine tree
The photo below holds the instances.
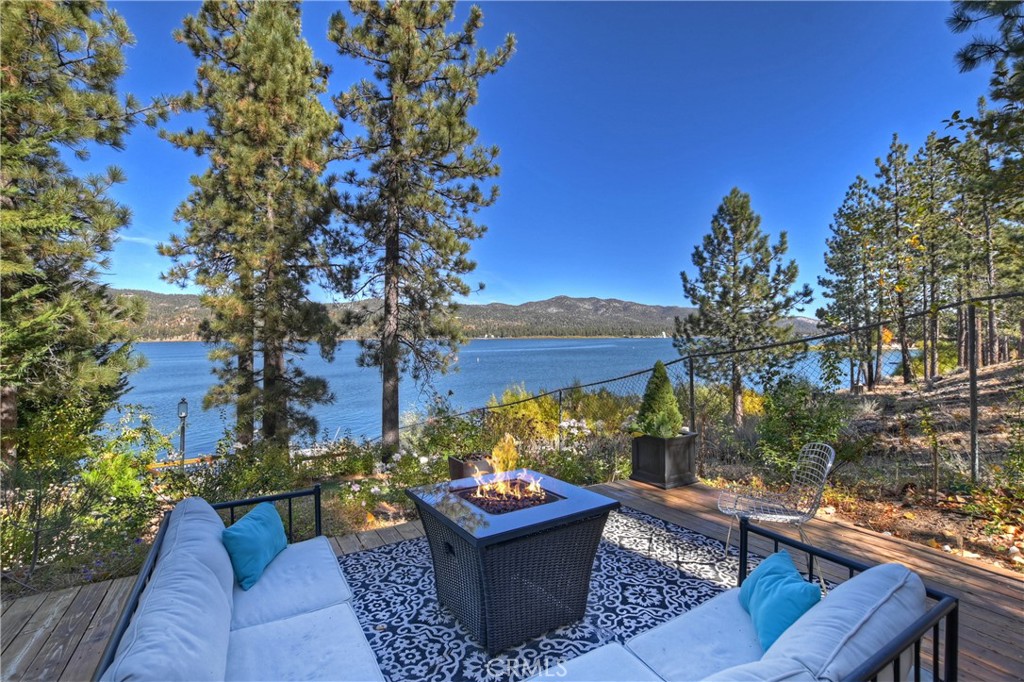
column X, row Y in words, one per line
column 931, row 192
column 898, row 240
column 852, row 284
column 743, row 290
column 258, row 220
column 64, row 335
column 1004, row 126
column 412, row 211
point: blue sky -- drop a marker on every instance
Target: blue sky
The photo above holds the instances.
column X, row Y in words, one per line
column 622, row 125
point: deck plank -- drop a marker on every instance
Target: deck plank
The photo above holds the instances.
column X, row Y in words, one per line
column 389, row 535
column 90, row 649
column 349, row 544
column 370, row 539
column 16, row 615
column 410, row 530
column 18, row 656
column 59, row 647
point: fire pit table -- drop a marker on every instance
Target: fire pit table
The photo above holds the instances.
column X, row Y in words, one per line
column 511, row 575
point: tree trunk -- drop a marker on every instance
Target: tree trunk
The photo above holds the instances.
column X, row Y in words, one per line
column 961, row 337
column 389, row 347
column 933, row 324
column 925, row 347
column 245, row 421
column 901, row 330
column 8, row 423
column 737, row 396
column 275, row 406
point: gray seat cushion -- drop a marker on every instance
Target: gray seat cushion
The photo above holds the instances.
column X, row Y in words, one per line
column 179, row 630
column 853, row 622
column 327, row 644
column 304, row 577
column 716, row 635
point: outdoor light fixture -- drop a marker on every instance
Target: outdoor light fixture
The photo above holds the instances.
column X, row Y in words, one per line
column 183, row 415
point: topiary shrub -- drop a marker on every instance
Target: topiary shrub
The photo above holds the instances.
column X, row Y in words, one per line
column 659, row 414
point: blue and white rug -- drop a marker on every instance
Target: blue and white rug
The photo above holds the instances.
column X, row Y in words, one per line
column 646, row 571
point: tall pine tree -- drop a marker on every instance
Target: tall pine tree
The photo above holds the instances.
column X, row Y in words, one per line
column 851, row 285
column 412, row 209
column 64, row 335
column 742, row 291
column 258, row 234
column 1002, row 127
column 898, row 240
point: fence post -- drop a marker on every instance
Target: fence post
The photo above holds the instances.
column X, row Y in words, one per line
column 972, row 364
column 559, row 435
column 693, row 398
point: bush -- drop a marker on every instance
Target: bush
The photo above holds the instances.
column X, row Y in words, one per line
column 236, row 472
column 659, row 414
column 527, row 421
column 796, row 413
column 78, row 502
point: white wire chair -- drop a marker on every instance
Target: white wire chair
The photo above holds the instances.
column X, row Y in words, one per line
column 795, row 506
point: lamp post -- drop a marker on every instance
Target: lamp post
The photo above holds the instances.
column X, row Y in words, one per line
column 183, row 415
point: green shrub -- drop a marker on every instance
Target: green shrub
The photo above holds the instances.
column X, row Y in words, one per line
column 237, row 472
column 526, row 421
column 796, row 413
column 78, row 502
column 659, row 414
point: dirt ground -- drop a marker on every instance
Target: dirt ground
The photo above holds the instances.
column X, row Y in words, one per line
column 919, row 424
column 913, row 427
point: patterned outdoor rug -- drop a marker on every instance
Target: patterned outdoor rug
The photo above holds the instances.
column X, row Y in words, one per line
column 646, row 571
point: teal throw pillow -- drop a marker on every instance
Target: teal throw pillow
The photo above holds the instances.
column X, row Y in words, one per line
column 253, row 542
column 776, row 595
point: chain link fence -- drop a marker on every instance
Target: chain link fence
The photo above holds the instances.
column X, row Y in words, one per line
column 946, row 404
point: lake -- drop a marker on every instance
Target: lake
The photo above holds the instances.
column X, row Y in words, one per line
column 485, row 368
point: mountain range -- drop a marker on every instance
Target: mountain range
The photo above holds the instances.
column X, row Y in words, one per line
column 175, row 317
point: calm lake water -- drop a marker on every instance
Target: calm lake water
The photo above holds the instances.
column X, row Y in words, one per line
column 485, row 368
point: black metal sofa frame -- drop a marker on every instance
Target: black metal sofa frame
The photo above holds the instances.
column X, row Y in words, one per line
column 146, row 572
column 941, row 620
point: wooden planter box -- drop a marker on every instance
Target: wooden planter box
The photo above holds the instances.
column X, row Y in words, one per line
column 468, row 466
column 665, row 462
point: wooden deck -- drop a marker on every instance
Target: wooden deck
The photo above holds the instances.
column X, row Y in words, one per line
column 61, row 635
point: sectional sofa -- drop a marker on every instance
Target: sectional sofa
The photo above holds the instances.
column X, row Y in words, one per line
column 187, row 618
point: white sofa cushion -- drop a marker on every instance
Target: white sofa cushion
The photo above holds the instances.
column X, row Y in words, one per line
column 195, row 530
column 327, row 644
column 716, row 635
column 853, row 622
column 180, row 629
column 773, row 670
column 609, row 663
column 304, row 577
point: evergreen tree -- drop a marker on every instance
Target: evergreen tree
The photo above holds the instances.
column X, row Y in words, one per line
column 1003, row 126
column 897, row 244
column 931, row 192
column 742, row 291
column 852, row 285
column 64, row 335
column 412, row 211
column 659, row 414
column 258, row 234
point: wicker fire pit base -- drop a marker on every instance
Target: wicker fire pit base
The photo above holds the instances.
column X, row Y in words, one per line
column 511, row 577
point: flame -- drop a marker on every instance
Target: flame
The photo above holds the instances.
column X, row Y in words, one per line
column 514, row 488
column 505, row 458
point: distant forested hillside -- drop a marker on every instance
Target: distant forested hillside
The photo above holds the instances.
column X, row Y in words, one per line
column 177, row 316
